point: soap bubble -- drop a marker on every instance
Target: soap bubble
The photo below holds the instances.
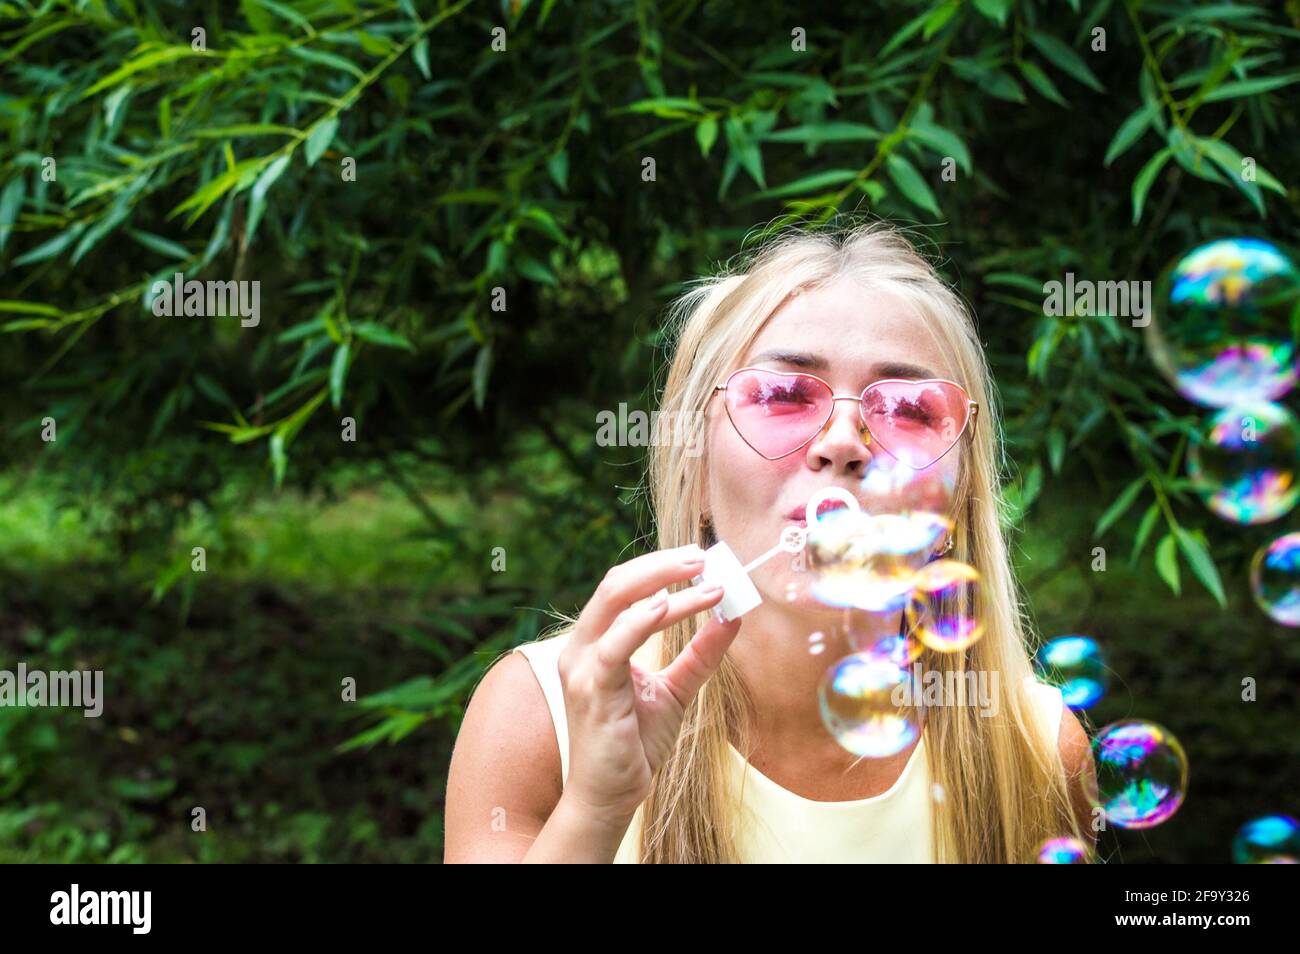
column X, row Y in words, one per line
column 865, row 561
column 1063, row 851
column 1074, row 665
column 1243, row 462
column 1275, row 579
column 817, row 643
column 943, row 606
column 889, row 486
column 1223, row 330
column 1271, row 840
column 1141, row 773
column 902, row 649
column 871, row 706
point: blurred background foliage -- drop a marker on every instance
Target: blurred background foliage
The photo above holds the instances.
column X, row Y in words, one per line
column 504, row 146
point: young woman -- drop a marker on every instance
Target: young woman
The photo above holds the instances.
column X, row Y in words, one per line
column 647, row 731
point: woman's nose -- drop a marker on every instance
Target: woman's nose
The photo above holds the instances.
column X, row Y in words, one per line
column 844, row 443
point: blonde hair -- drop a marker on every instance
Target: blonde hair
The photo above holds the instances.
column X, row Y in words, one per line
column 1004, row 787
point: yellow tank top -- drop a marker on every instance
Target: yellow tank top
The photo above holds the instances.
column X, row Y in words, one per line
column 773, row 824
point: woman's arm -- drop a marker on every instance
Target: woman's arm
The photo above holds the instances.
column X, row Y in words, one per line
column 505, row 799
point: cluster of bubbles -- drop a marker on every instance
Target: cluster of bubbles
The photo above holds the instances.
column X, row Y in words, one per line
column 1225, row 334
column 874, row 553
column 1227, row 340
column 1073, row 664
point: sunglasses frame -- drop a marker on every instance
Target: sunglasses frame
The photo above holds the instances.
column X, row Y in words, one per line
column 972, row 408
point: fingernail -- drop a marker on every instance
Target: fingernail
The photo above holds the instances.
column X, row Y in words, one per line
column 708, row 589
column 658, row 600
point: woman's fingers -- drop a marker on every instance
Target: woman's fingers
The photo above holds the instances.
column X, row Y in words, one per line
column 635, row 580
column 639, row 622
column 700, row 659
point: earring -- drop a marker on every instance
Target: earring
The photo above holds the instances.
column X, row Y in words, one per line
column 948, row 545
column 707, row 537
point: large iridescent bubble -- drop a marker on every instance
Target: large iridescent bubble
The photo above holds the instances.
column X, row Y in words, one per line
column 1275, row 579
column 871, row 706
column 1243, row 462
column 1271, row 840
column 1141, row 773
column 1223, row 331
column 865, row 561
column 1075, row 666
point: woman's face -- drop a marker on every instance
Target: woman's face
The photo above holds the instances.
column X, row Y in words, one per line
column 849, row 338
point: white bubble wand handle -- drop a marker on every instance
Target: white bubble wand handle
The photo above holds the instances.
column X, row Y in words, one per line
column 739, row 594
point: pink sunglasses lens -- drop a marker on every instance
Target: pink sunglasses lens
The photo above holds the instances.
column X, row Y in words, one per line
column 916, row 421
column 776, row 413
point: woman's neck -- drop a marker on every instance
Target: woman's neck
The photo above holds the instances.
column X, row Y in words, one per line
column 774, row 656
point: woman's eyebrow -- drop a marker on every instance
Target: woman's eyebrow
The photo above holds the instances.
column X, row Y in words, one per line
column 800, row 359
column 815, row 362
column 900, row 369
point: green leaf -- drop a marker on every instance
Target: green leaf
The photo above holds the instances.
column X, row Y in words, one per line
column 1250, row 87
column 911, row 184
column 378, row 334
column 53, row 247
column 1040, row 81
column 558, row 168
column 1167, row 561
column 279, row 461
column 319, row 139
column 1000, row 84
column 286, row 13
column 1122, row 503
column 1129, row 132
column 1065, row 58
column 482, row 370
column 10, row 306
column 1198, row 558
column 1147, row 524
column 909, row 29
column 996, row 10
column 210, row 192
column 826, row 132
column 943, row 141
column 1142, row 184
column 257, row 203
column 11, row 201
column 811, row 183
column 1230, row 161
column 332, row 60
column 421, row 56
column 163, row 246
column 149, row 60
column 338, row 374
column 937, row 20
column 706, row 134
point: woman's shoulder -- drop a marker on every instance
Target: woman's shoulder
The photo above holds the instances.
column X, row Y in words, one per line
column 1048, row 703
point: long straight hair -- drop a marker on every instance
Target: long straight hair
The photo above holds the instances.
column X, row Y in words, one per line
column 1003, row 784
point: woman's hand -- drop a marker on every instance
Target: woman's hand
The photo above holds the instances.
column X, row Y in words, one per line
column 623, row 720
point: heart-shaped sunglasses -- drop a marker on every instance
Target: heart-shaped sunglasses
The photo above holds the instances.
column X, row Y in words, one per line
column 778, row 412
